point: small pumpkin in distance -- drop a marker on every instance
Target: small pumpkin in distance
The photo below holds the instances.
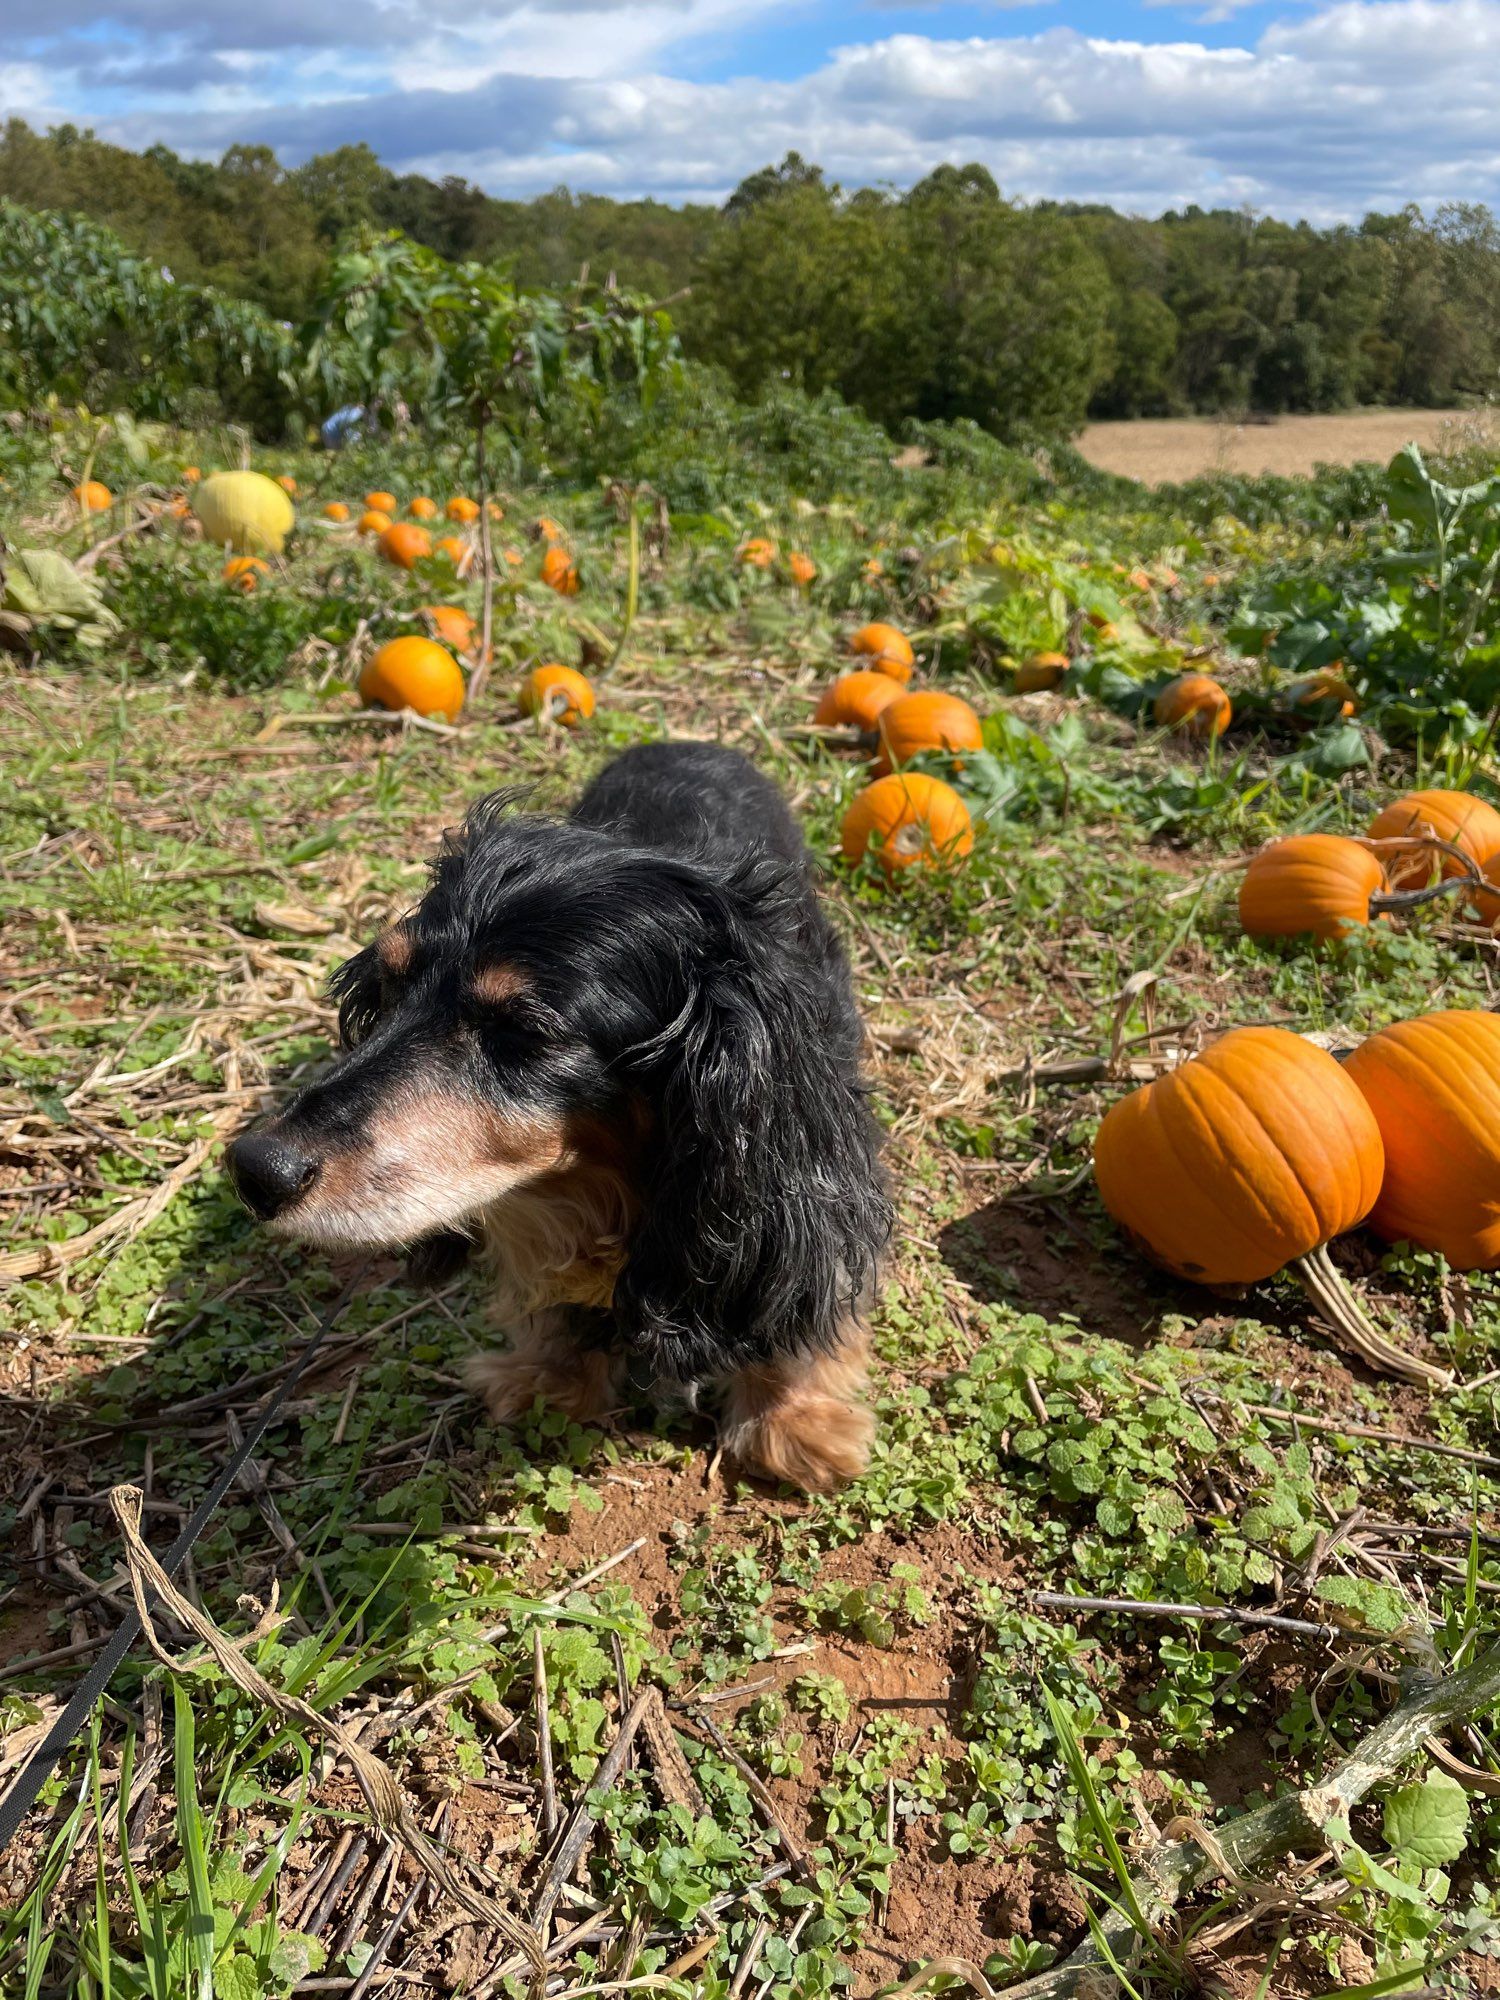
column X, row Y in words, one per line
column 1467, row 823
column 287, row 484
column 1194, row 705
column 926, row 720
column 757, row 553
column 373, row 522
column 1039, row 671
column 336, row 510
column 543, row 528
column 452, row 624
column 802, row 570
column 456, row 550
column 1309, row 885
column 244, row 572
column 559, row 571
column 462, row 509
column 93, row 496
column 191, row 475
column 1326, row 693
column 855, row 701
column 884, row 647
column 1248, row 1160
column 1433, row 1086
column 904, row 818
column 381, row 502
column 413, row 672
column 555, row 693
column 422, row 508
column 404, row 544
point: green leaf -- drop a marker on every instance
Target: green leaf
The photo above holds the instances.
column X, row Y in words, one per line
column 1428, row 1822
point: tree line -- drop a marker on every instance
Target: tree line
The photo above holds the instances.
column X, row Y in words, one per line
column 947, row 301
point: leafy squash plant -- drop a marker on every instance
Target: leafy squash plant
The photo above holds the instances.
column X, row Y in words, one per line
column 44, row 598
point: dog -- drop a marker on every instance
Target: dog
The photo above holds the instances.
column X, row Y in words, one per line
column 620, row 1052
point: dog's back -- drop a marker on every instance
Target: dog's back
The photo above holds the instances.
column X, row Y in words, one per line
column 691, row 798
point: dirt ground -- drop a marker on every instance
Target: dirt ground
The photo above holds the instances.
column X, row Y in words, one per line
column 1159, row 451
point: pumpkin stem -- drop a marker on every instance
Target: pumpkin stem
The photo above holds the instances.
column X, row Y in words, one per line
column 1472, row 876
column 1329, row 1292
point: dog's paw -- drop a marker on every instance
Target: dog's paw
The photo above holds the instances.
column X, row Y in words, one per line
column 511, row 1382
column 818, row 1443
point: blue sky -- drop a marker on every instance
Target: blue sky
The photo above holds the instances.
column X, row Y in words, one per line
column 1317, row 108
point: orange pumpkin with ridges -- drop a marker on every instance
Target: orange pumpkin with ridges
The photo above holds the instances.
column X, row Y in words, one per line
column 422, row 509
column 855, row 701
column 904, row 818
column 1194, row 705
column 1457, row 817
column 404, row 544
column 885, row 648
column 1309, row 885
column 382, row 503
column 557, row 694
column 1433, row 1085
column 927, row 720
column 452, row 624
column 559, row 572
column 373, row 522
column 802, row 570
column 413, row 672
column 335, row 511
column 93, row 496
column 462, row 508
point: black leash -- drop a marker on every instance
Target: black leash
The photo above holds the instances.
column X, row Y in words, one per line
column 40, row 1765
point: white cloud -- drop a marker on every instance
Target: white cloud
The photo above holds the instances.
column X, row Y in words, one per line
column 1357, row 104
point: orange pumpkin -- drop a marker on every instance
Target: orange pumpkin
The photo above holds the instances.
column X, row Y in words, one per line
column 191, row 475
column 1194, row 705
column 287, row 484
column 543, row 528
column 757, row 553
column 456, row 550
column 559, row 571
column 1433, row 1085
column 1040, row 670
column 450, row 623
column 927, row 720
column 1326, row 692
column 855, row 701
column 802, row 570
column 373, row 522
column 1140, row 579
column 244, row 572
column 907, row 817
column 1247, row 1160
column 93, row 496
column 422, row 509
column 461, row 508
column 1309, row 885
column 885, row 648
column 1465, row 822
column 404, row 543
column 335, row 511
column 381, row 503
column 556, row 693
column 874, row 568
column 413, row 672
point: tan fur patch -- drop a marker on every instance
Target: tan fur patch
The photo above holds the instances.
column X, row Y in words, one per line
column 584, row 1383
column 394, row 949
column 803, row 1419
column 492, row 985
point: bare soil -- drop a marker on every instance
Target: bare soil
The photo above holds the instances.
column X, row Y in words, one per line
column 1159, row 451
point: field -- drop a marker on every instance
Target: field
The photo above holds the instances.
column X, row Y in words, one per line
column 1165, row 450
column 704, row 1736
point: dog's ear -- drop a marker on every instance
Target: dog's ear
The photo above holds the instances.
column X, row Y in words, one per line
column 356, row 986
column 763, row 1209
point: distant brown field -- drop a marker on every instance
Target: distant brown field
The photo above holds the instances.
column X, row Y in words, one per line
column 1170, row 448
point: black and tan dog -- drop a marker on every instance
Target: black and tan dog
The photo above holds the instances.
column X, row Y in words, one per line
column 620, row 1052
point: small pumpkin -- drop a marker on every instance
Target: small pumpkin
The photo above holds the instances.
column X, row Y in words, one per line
column 422, row 509
column 404, row 544
column 1433, row 1086
column 461, row 508
column 457, row 550
column 287, row 484
column 244, row 572
column 556, row 693
column 1140, row 579
column 1326, row 693
column 336, row 510
column 93, row 497
column 1309, row 885
column 1465, row 822
column 413, row 672
column 450, row 623
column 381, row 502
column 559, row 571
column 1246, row 1161
column 1194, row 705
column 886, row 648
column 543, row 528
column 373, row 522
column 1039, row 671
column 757, row 553
column 926, row 720
column 907, row 817
column 855, row 701
column 191, row 474
column 802, row 570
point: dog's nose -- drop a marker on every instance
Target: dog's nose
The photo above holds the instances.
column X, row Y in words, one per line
column 268, row 1172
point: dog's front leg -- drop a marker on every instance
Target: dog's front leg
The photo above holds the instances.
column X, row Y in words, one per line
column 547, row 1361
